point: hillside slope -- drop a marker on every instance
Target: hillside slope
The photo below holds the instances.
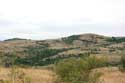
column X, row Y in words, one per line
column 42, row 52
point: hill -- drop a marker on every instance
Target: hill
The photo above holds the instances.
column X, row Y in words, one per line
column 44, row 52
column 14, row 39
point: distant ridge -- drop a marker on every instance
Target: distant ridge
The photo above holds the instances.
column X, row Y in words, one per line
column 14, row 39
column 78, row 35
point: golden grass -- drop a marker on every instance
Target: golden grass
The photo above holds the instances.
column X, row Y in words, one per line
column 36, row 75
column 111, row 75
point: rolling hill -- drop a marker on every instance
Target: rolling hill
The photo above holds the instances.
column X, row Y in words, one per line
column 44, row 52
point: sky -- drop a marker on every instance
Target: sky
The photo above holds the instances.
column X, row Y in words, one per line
column 48, row 19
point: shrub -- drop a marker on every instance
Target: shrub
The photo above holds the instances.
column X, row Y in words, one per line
column 77, row 70
column 94, row 62
column 71, row 70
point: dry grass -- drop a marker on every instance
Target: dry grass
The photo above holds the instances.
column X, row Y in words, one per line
column 111, row 75
column 36, row 75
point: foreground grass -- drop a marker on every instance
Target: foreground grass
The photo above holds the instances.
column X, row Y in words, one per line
column 35, row 75
column 109, row 75
column 74, row 70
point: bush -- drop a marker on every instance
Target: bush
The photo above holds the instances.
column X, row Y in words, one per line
column 71, row 70
column 77, row 70
column 94, row 62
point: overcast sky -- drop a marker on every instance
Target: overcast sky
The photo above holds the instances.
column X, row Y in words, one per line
column 45, row 19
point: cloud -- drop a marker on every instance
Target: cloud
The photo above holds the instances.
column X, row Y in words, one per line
column 43, row 19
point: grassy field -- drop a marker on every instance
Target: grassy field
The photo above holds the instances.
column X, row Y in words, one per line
column 36, row 75
column 109, row 75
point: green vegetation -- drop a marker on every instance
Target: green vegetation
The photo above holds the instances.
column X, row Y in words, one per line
column 40, row 61
column 116, row 39
column 36, row 56
column 14, row 39
column 78, row 70
column 39, row 56
column 70, row 39
column 94, row 62
column 8, row 59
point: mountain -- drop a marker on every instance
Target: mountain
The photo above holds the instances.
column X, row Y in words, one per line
column 42, row 52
